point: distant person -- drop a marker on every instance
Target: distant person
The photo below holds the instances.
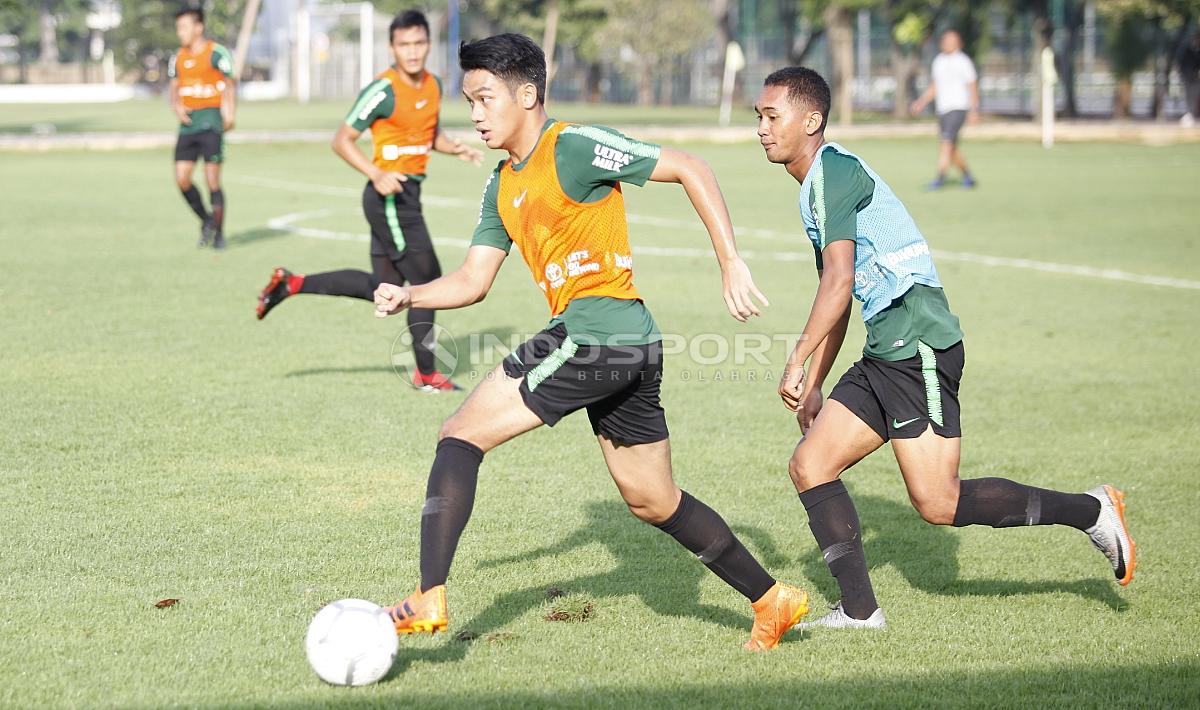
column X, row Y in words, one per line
column 954, row 87
column 1189, row 71
column 203, row 97
column 401, row 108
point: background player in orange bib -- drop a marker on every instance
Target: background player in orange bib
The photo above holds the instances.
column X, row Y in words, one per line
column 401, row 108
column 203, row 96
column 558, row 198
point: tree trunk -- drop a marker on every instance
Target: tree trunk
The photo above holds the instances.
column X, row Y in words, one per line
column 1066, row 62
column 904, row 68
column 549, row 39
column 841, row 47
column 1122, row 98
column 595, row 74
column 48, row 43
column 645, row 84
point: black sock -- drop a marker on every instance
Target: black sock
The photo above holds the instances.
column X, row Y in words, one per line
column 420, row 325
column 834, row 523
column 192, row 195
column 347, row 282
column 217, row 197
column 449, row 498
column 698, row 528
column 1002, row 503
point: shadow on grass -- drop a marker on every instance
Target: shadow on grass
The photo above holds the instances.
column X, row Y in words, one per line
column 250, row 236
column 1113, row 685
column 649, row 565
column 461, row 346
column 927, row 557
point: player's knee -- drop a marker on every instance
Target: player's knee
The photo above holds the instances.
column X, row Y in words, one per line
column 936, row 509
column 805, row 473
column 450, row 429
column 184, row 182
column 652, row 512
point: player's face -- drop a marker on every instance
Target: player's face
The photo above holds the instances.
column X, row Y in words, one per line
column 782, row 124
column 496, row 110
column 187, row 30
column 410, row 47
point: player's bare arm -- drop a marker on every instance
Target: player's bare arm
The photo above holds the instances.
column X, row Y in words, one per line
column 829, row 309
column 177, row 106
column 344, row 144
column 443, row 143
column 464, row 287
column 702, row 189
column 973, row 113
column 229, row 103
column 821, row 362
column 923, row 100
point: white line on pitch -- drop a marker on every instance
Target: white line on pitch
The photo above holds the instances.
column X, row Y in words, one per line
column 286, row 223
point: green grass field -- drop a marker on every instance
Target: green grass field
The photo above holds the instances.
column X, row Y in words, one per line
column 159, row 442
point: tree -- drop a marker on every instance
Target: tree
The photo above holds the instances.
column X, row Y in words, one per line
column 1141, row 29
column 649, row 35
column 572, row 23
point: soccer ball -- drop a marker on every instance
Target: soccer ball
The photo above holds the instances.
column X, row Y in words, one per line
column 351, row 642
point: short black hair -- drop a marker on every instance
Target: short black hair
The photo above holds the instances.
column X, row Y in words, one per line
column 406, row 19
column 804, row 86
column 514, row 58
column 195, row 12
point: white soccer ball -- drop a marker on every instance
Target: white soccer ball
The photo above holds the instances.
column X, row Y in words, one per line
column 351, row 642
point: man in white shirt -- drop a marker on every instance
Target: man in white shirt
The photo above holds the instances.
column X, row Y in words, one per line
column 955, row 88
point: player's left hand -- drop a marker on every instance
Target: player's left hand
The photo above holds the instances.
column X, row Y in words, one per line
column 390, row 299
column 738, row 286
column 791, row 385
column 228, row 124
column 470, row 155
column 973, row 117
column 810, row 406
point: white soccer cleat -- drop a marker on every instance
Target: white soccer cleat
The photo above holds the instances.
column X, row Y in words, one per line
column 1110, row 534
column 839, row 619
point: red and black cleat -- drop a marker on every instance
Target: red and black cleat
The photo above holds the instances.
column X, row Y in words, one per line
column 277, row 289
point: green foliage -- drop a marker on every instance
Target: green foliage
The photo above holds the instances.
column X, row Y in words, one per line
column 146, row 38
column 22, row 20
column 578, row 21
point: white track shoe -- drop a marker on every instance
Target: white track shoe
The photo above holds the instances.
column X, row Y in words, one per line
column 839, row 619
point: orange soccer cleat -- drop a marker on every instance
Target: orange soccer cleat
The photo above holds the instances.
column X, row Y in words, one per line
column 780, row 609
column 421, row 612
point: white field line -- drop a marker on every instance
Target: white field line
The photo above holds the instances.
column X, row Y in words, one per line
column 287, row 223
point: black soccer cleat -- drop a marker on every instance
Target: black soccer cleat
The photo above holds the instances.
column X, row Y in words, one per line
column 219, row 241
column 276, row 290
column 208, row 231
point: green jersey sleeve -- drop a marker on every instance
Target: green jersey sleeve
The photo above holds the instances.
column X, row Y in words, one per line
column 222, row 60
column 490, row 231
column 845, row 189
column 591, row 160
column 376, row 101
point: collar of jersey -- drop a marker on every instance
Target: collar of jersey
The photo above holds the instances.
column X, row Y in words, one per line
column 545, row 126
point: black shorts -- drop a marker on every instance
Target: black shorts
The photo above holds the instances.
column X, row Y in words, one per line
column 205, row 144
column 619, row 385
column 397, row 224
column 901, row 399
column 950, row 123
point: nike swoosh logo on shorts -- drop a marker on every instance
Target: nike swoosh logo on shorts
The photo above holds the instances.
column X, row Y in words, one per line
column 900, row 425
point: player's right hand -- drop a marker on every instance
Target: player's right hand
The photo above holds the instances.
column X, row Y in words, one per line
column 388, row 183
column 184, row 115
column 791, row 385
column 810, row 406
column 390, row 298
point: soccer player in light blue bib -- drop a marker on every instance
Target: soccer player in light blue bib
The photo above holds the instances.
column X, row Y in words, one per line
column 905, row 387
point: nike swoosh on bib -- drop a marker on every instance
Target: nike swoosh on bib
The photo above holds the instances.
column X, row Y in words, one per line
column 520, row 198
column 421, row 104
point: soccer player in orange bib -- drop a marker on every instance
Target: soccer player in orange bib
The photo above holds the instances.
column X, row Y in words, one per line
column 401, row 108
column 558, row 198
column 202, row 95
